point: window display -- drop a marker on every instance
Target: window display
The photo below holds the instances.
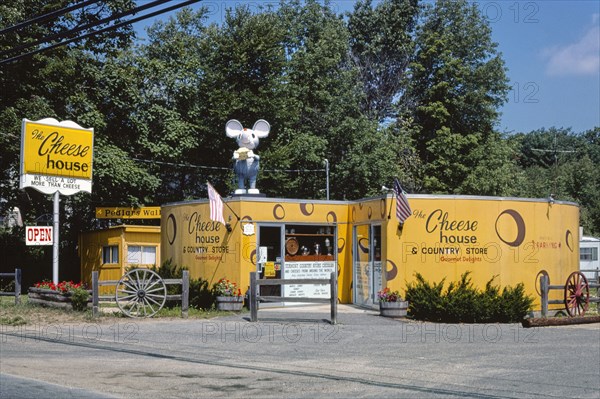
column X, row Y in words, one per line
column 309, row 243
column 309, row 253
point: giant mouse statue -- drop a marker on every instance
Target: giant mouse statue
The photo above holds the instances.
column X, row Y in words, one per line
column 246, row 161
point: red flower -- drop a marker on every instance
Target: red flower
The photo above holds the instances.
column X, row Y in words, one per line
column 63, row 286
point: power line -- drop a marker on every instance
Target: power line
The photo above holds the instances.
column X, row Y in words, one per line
column 179, row 164
column 85, row 27
column 107, row 29
column 555, row 151
column 45, row 17
column 187, row 165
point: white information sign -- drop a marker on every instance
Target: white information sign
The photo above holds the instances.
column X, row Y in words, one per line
column 377, row 279
column 262, row 255
column 39, row 235
column 321, row 270
column 248, row 229
column 51, row 184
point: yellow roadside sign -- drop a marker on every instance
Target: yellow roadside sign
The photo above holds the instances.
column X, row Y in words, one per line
column 149, row 212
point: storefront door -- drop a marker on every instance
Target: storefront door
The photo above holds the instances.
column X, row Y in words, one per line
column 367, row 264
column 269, row 237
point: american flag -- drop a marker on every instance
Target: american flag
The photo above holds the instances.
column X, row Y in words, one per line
column 403, row 210
column 216, row 204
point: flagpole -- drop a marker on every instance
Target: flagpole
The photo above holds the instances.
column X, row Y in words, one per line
column 403, row 210
column 232, row 211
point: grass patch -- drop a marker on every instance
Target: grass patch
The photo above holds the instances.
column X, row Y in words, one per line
column 12, row 320
column 194, row 313
column 27, row 313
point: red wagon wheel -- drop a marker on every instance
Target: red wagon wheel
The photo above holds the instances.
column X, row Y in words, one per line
column 577, row 294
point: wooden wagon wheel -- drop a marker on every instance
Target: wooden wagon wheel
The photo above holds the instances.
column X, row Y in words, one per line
column 577, row 294
column 140, row 293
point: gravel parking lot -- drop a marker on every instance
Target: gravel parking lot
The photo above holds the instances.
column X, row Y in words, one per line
column 296, row 353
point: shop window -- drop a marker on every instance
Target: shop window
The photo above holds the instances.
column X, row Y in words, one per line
column 309, row 243
column 588, row 254
column 377, row 243
column 110, row 254
column 142, row 255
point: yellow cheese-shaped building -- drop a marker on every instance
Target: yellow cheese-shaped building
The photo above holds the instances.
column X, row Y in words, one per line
column 512, row 239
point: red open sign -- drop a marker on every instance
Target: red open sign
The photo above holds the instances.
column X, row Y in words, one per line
column 39, row 235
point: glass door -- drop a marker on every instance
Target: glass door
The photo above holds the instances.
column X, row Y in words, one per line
column 367, row 271
column 362, row 270
column 377, row 267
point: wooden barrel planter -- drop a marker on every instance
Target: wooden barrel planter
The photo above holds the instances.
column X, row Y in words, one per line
column 230, row 303
column 393, row 309
column 50, row 298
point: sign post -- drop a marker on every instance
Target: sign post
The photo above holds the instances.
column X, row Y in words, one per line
column 55, row 246
column 56, row 158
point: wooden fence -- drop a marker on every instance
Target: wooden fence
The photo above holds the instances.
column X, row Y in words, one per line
column 255, row 298
column 16, row 276
column 184, row 297
column 596, row 273
column 545, row 288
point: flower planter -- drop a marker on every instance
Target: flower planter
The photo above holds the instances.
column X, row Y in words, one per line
column 50, row 298
column 231, row 303
column 393, row 309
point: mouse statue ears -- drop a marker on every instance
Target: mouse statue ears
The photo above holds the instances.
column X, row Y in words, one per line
column 234, row 128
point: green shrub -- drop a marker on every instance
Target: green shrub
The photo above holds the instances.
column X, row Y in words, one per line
column 461, row 302
column 79, row 298
column 200, row 295
column 515, row 304
column 169, row 270
column 425, row 300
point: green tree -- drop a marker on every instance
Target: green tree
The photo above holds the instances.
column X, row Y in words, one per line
column 563, row 164
column 382, row 46
column 242, row 79
column 457, row 84
column 323, row 111
column 322, row 100
column 52, row 83
column 497, row 173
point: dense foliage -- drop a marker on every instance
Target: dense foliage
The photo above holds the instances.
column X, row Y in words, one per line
column 461, row 302
column 399, row 88
column 201, row 295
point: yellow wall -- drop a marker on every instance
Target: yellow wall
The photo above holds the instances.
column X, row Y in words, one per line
column 513, row 239
column 190, row 239
column 92, row 242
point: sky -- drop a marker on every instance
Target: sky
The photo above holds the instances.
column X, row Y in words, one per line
column 552, row 52
column 551, row 49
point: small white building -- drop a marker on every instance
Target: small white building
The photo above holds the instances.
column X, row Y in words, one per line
column 589, row 247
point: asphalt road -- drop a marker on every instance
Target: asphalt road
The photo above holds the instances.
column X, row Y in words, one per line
column 296, row 353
